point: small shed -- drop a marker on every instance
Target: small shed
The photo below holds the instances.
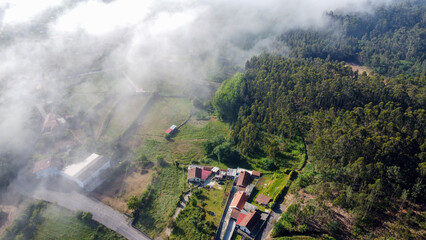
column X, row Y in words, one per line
column 263, row 199
column 170, row 129
column 256, row 174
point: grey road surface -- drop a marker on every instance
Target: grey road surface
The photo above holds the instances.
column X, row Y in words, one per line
column 75, row 201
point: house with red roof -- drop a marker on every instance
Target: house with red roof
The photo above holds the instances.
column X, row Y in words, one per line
column 45, row 168
column 205, row 174
column 240, row 198
column 243, row 179
column 194, row 175
column 249, row 221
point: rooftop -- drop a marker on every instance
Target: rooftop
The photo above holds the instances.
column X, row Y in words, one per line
column 250, row 220
column 256, row 173
column 235, row 213
column 263, row 199
column 240, row 218
column 243, row 179
column 86, row 168
column 239, row 200
column 205, row 174
column 194, row 172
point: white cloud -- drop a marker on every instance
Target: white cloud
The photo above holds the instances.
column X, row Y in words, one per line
column 23, row 11
column 97, row 17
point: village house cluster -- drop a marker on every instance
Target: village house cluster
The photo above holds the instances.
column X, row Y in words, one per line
column 241, row 215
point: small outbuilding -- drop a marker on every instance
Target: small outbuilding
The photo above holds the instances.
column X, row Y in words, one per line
column 256, row 174
column 263, row 199
column 170, row 129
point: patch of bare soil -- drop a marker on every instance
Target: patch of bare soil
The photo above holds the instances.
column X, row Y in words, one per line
column 335, row 213
column 10, row 209
column 116, row 193
column 360, row 69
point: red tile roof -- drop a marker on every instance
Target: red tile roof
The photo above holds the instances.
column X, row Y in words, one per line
column 240, row 218
column 205, row 174
column 169, row 130
column 194, row 172
column 263, row 199
column 243, row 179
column 256, row 173
column 239, row 200
column 250, row 220
column 207, row 168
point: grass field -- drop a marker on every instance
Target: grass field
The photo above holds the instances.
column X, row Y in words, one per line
column 43, row 221
column 269, row 185
column 63, row 224
column 214, row 200
column 123, row 116
column 203, row 130
column 166, row 189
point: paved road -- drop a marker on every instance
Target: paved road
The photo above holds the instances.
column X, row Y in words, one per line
column 77, row 201
column 275, row 215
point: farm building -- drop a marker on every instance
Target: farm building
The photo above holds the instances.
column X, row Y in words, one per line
column 170, row 129
column 87, row 174
column 45, row 168
column 239, row 200
column 194, row 174
column 263, row 199
column 249, row 221
column 243, row 179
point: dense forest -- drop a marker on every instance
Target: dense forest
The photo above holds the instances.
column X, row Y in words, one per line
column 365, row 133
column 391, row 39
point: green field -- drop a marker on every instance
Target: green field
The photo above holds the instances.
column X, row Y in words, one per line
column 123, row 115
column 164, row 195
column 203, row 130
column 269, row 185
column 63, row 224
column 43, row 221
column 214, row 200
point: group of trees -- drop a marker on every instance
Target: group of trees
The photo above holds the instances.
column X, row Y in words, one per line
column 25, row 227
column 390, row 40
column 366, row 132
